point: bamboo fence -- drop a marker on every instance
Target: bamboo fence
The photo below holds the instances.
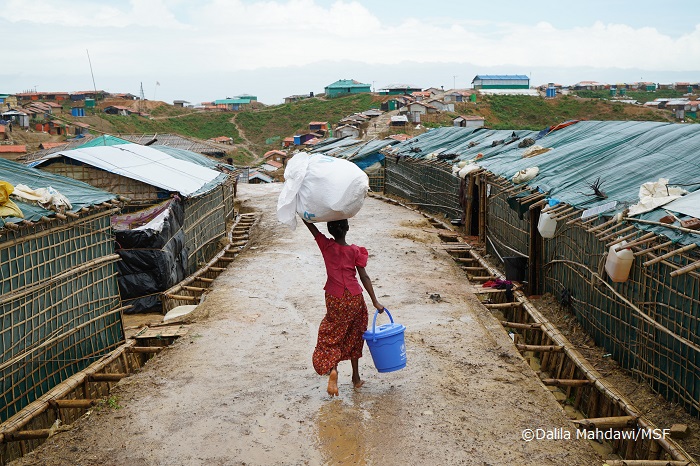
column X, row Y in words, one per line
column 650, row 323
column 68, row 401
column 59, row 304
column 430, row 186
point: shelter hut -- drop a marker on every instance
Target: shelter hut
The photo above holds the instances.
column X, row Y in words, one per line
column 178, row 209
column 59, row 301
column 555, row 206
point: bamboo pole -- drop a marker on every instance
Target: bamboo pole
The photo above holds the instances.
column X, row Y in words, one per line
column 538, row 204
column 570, row 214
column 602, row 225
column 28, row 435
column 182, row 297
column 532, row 197
column 615, row 422
column 649, row 237
column 502, row 305
column 465, row 260
column 566, row 382
column 518, row 325
column 556, row 214
column 472, row 269
column 145, row 349
column 686, row 269
column 557, row 209
column 198, row 289
column 70, row 404
column 653, row 248
column 669, row 254
column 541, row 348
column 114, row 377
column 615, row 233
column 674, row 227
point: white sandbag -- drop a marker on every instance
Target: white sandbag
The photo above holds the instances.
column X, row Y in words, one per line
column 321, row 189
column 525, row 175
column 467, row 169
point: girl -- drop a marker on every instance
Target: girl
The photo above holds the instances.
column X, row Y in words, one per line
column 340, row 332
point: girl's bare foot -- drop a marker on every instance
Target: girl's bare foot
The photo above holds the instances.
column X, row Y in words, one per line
column 333, row 383
column 358, row 383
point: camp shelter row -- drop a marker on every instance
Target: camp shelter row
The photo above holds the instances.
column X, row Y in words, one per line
column 557, row 207
column 178, row 206
column 75, row 256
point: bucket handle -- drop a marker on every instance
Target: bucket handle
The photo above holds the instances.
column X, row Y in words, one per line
column 374, row 322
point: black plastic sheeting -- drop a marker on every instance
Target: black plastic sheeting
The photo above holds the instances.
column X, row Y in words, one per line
column 152, row 261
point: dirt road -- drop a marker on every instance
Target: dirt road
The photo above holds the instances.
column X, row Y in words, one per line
column 240, row 388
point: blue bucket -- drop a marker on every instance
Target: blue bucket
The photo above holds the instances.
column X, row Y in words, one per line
column 386, row 344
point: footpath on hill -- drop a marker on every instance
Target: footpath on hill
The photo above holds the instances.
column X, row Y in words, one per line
column 240, row 387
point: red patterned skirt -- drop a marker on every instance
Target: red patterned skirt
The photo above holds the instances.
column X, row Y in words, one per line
column 340, row 332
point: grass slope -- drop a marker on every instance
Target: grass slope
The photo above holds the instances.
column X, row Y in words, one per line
column 533, row 113
column 285, row 120
column 200, row 125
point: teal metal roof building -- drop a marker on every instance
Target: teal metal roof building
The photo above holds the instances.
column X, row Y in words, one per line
column 346, row 86
column 501, row 81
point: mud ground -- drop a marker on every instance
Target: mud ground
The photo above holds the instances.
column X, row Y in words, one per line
column 240, row 389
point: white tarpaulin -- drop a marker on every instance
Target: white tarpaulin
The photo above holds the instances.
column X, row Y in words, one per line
column 688, row 205
column 145, row 164
column 655, row 194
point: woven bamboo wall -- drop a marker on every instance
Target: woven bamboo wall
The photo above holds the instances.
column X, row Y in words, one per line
column 668, row 364
column 504, row 228
column 137, row 191
column 205, row 223
column 59, row 305
column 427, row 185
column 665, row 353
column 376, row 181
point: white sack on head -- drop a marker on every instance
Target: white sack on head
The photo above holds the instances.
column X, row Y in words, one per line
column 321, row 189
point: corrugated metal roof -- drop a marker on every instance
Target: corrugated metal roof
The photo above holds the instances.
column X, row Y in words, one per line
column 517, row 77
column 13, row 149
column 145, row 164
column 344, row 83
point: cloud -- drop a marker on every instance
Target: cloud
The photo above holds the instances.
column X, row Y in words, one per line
column 212, row 41
column 90, row 14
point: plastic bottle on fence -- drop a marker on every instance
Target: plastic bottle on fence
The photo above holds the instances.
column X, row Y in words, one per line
column 619, row 262
column 546, row 225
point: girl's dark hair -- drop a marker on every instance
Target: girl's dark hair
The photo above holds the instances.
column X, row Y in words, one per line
column 338, row 228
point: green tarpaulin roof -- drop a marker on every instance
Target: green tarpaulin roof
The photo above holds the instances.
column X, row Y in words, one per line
column 78, row 193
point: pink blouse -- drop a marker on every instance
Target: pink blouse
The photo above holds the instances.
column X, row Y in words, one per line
column 340, row 265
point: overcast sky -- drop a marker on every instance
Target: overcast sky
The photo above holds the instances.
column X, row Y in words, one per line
column 202, row 50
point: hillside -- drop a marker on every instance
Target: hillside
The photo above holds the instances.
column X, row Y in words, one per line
column 256, row 131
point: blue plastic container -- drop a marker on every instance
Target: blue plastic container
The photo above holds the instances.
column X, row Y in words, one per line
column 386, row 344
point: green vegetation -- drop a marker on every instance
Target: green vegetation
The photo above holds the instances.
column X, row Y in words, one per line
column 201, row 125
column 287, row 119
column 524, row 112
column 639, row 96
column 112, row 402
